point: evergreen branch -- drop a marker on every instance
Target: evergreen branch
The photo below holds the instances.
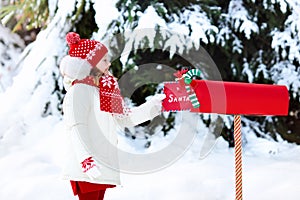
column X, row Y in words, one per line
column 79, row 10
column 33, row 13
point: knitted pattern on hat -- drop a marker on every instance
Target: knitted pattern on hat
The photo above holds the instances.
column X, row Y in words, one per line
column 91, row 50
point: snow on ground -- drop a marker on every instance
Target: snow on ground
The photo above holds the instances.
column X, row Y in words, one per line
column 31, row 168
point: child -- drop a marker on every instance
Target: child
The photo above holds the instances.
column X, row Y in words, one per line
column 93, row 109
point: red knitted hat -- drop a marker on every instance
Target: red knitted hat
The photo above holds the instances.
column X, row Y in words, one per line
column 91, row 50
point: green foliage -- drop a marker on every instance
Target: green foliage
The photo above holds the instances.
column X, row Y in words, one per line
column 239, row 56
column 28, row 14
column 260, row 56
column 84, row 20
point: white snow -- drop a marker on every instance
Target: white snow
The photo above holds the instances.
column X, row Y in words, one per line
column 106, row 12
column 31, row 169
column 240, row 18
column 32, row 145
column 11, row 46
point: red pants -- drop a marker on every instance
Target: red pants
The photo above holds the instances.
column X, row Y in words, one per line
column 97, row 195
column 89, row 191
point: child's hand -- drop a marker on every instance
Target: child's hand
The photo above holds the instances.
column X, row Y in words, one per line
column 156, row 102
column 90, row 168
column 146, row 111
column 156, row 99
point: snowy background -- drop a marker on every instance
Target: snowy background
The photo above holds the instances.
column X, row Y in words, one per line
column 32, row 139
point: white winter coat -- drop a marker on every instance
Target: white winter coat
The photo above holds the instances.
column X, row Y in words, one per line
column 92, row 132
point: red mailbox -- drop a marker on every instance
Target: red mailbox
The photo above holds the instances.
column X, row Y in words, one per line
column 228, row 98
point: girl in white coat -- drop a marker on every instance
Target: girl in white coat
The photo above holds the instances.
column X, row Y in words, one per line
column 93, row 110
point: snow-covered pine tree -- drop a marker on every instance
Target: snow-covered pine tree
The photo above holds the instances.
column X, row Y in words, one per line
column 249, row 40
column 258, row 42
column 36, row 93
column 11, row 46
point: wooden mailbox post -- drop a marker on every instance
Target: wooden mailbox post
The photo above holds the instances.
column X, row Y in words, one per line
column 230, row 98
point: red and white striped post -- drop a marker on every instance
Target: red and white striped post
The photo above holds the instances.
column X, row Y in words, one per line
column 238, row 158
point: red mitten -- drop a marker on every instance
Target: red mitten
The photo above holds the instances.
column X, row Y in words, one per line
column 90, row 168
